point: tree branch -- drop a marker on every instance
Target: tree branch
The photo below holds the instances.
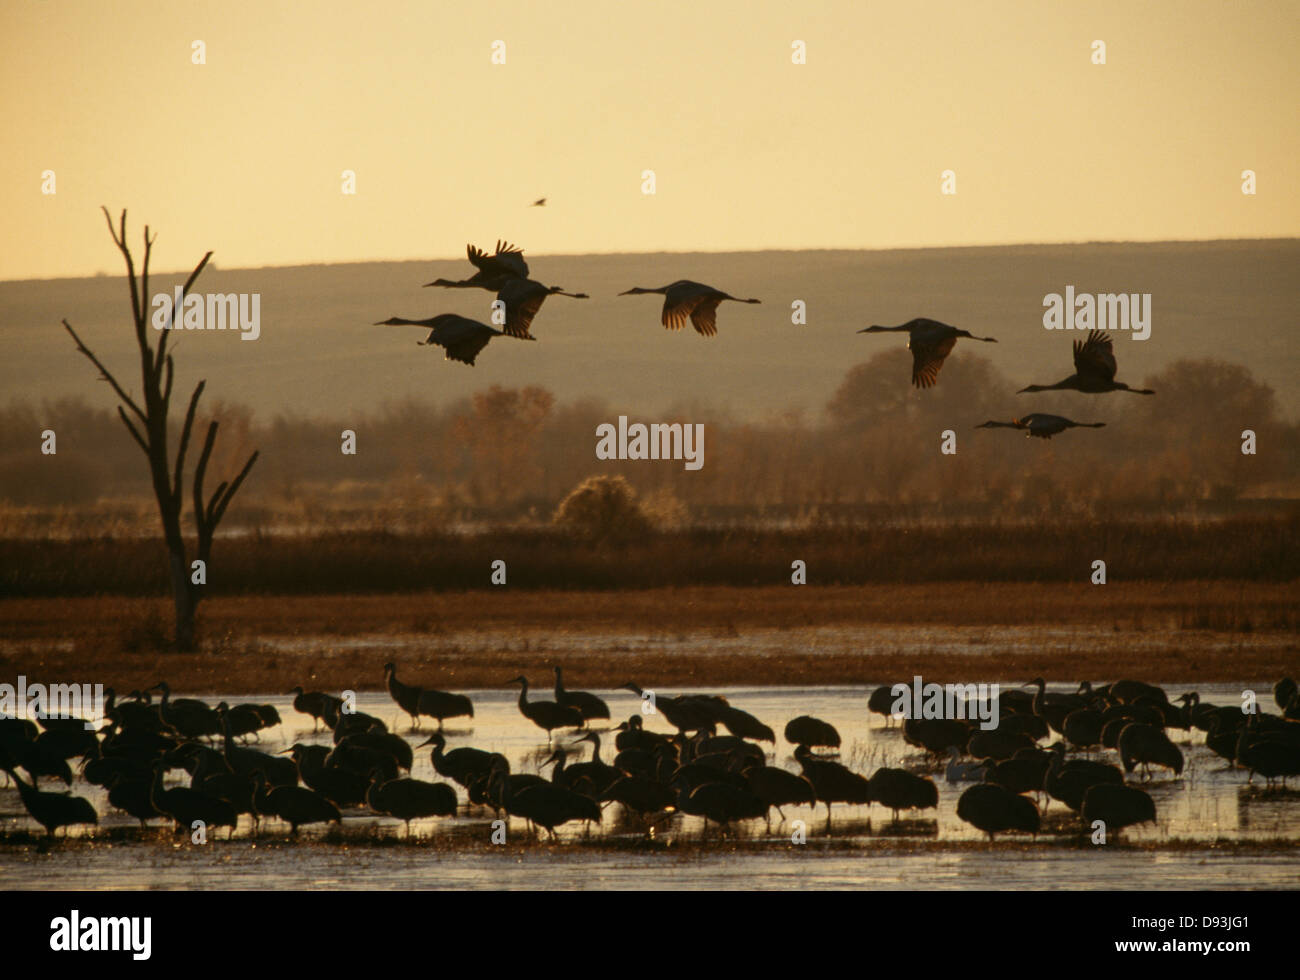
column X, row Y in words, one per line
column 185, row 436
column 185, row 290
column 131, row 429
column 104, row 372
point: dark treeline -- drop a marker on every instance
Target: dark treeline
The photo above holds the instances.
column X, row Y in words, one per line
column 872, row 451
column 1135, row 552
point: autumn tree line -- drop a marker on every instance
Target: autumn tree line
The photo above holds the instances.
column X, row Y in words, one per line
column 872, row 451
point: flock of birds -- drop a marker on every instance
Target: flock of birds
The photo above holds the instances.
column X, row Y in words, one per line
column 724, row 778
column 519, row 299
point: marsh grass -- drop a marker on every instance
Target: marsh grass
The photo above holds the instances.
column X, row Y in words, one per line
column 1243, row 549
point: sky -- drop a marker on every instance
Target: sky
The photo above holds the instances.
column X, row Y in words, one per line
column 244, row 154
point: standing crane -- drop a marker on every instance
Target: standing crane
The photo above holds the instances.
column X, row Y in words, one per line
column 1094, row 369
column 930, row 342
column 547, row 715
column 685, row 298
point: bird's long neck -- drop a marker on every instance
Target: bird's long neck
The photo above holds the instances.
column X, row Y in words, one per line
column 523, row 693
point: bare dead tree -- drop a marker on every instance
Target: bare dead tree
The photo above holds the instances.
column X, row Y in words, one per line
column 147, row 425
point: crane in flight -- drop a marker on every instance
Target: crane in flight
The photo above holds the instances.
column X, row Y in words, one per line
column 685, row 298
column 461, row 337
column 522, row 299
column 930, row 342
column 1041, row 425
column 494, row 269
column 1094, row 369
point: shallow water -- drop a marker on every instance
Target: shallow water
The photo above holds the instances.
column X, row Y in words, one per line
column 1212, row 830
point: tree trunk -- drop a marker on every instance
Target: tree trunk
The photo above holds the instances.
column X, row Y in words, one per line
column 183, row 597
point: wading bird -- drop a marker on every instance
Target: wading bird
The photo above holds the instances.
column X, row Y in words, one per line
column 813, row 732
column 53, row 810
column 685, row 298
column 1117, row 806
column 930, row 342
column 589, row 705
column 547, row 715
column 1094, row 369
column 461, row 337
column 1041, row 425
column 994, row 809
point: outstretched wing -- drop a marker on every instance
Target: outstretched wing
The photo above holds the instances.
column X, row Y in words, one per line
column 508, row 260
column 705, row 315
column 681, row 301
column 523, row 299
column 461, row 337
column 465, row 349
column 1095, row 357
column 927, row 358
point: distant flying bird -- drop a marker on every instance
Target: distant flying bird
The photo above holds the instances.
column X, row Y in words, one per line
column 539, row 203
column 463, row 338
column 522, row 299
column 1041, row 425
column 1094, row 369
column 930, row 342
column 494, row 270
column 684, row 298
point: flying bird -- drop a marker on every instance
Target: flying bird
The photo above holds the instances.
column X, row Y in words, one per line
column 930, row 342
column 461, row 337
column 539, row 203
column 494, row 269
column 522, row 299
column 1094, row 369
column 1041, row 425
column 685, row 298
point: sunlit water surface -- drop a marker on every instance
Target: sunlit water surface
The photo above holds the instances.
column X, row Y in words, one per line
column 863, row 848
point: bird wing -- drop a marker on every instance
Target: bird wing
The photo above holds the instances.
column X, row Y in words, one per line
column 680, row 301
column 523, row 298
column 1095, row 356
column 704, row 316
column 927, row 358
column 461, row 338
column 507, row 260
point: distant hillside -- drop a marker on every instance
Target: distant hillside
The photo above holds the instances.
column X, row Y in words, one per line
column 318, row 350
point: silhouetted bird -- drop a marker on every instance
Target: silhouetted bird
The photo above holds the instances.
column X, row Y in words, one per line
column 685, row 298
column 1117, row 806
column 1094, row 369
column 930, row 342
column 507, row 262
column 813, row 732
column 1041, row 426
column 587, row 704
column 994, row 809
column 53, row 810
column 461, row 337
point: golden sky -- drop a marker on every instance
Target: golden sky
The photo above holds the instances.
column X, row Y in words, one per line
column 244, row 154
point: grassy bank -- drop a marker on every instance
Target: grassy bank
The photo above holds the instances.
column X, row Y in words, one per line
column 1193, row 632
column 1247, row 549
